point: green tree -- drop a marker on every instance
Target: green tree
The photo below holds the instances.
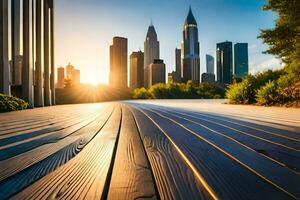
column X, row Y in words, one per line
column 284, row 39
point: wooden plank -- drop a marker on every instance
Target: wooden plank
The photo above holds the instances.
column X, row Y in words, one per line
column 16, row 164
column 22, row 146
column 229, row 178
column 173, row 176
column 21, row 171
column 259, row 164
column 85, row 175
column 288, row 153
column 132, row 177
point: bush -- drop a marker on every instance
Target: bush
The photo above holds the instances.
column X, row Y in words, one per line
column 9, row 103
column 141, row 93
column 180, row 91
column 267, row 94
column 245, row 92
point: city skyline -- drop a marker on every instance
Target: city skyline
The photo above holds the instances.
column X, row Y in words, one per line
column 97, row 38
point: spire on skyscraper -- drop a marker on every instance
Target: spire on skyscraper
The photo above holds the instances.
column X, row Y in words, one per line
column 190, row 19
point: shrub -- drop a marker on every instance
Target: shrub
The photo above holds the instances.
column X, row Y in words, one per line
column 180, row 91
column 267, row 94
column 243, row 92
column 9, row 103
column 141, row 93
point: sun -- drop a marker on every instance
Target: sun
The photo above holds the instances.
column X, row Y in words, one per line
column 94, row 77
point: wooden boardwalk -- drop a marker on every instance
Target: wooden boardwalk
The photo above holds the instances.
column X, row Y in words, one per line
column 150, row 150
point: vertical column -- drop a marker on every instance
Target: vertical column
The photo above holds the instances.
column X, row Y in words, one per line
column 27, row 71
column 16, row 26
column 47, row 91
column 39, row 90
column 52, row 76
column 4, row 63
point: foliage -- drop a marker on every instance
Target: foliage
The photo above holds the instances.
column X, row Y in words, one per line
column 245, row 91
column 141, row 93
column 9, row 103
column 180, row 91
column 267, row 94
column 275, row 87
column 284, row 39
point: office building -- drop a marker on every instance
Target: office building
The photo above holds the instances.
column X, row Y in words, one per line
column 224, row 62
column 60, row 77
column 137, row 70
column 157, row 72
column 210, row 64
column 118, row 63
column 151, row 52
column 241, row 67
column 190, row 59
column 207, row 78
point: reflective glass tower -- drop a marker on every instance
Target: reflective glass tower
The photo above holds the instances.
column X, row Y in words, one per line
column 190, row 64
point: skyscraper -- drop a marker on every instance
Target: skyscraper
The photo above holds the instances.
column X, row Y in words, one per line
column 210, row 64
column 118, row 63
column 240, row 60
column 224, row 62
column 60, row 77
column 157, row 72
column 137, row 69
column 76, row 77
column 177, row 74
column 190, row 59
column 70, row 70
column 151, row 52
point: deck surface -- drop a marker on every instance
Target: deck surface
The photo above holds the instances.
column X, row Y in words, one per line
column 159, row 149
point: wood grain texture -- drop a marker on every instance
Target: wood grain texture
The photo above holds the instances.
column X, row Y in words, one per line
column 280, row 175
column 173, row 177
column 132, row 177
column 22, row 170
column 84, row 176
column 210, row 162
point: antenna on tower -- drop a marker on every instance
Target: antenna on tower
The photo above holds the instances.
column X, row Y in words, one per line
column 151, row 22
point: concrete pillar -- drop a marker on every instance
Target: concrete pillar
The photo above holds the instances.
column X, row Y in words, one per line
column 47, row 91
column 27, row 71
column 52, row 76
column 4, row 62
column 16, row 38
column 38, row 88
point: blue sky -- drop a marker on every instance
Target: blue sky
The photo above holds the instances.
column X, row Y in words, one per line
column 84, row 30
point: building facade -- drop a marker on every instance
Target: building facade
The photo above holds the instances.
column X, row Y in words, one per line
column 224, row 62
column 210, row 64
column 33, row 71
column 157, row 72
column 70, row 71
column 118, row 63
column 76, row 77
column 190, row 59
column 136, row 70
column 241, row 66
column 207, row 78
column 60, row 77
column 151, row 52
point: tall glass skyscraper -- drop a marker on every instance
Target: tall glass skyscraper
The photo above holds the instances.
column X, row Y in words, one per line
column 224, row 62
column 210, row 64
column 241, row 67
column 190, row 59
column 151, row 52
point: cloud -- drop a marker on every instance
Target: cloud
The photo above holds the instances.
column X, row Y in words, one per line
column 270, row 63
